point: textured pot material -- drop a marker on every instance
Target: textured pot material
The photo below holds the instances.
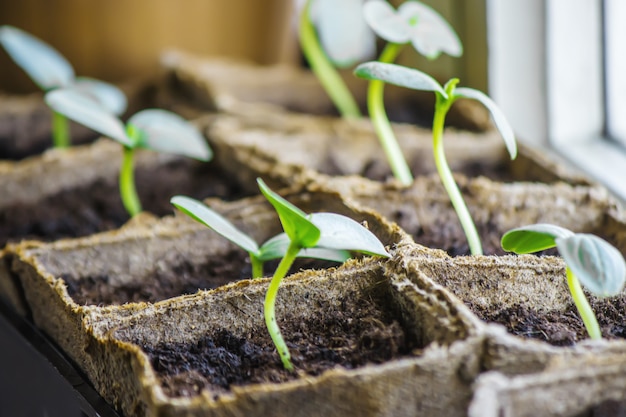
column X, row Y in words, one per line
column 259, row 136
column 594, row 386
column 432, row 381
column 424, row 210
column 130, row 258
column 226, row 85
column 31, row 180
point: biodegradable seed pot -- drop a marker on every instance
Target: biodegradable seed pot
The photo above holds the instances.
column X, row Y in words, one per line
column 364, row 342
column 64, row 281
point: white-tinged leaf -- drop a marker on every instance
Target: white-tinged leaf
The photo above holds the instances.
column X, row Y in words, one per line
column 386, row 22
column 276, row 247
column 108, row 95
column 431, row 34
column 341, row 232
column 215, row 221
column 342, row 31
column 83, row 109
column 597, row 264
column 43, row 64
column 498, row 117
column 399, row 75
column 533, row 238
column 165, row 131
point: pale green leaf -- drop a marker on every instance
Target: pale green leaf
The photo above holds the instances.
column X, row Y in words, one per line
column 108, row 95
column 43, row 64
column 498, row 117
column 164, row 131
column 213, row 220
column 276, row 247
column 83, row 109
column 399, row 75
column 341, row 232
column 598, row 265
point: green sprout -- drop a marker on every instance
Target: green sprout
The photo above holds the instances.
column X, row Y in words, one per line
column 589, row 260
column 317, row 230
column 343, row 40
column 274, row 248
column 50, row 70
column 445, row 96
column 154, row 129
column 430, row 34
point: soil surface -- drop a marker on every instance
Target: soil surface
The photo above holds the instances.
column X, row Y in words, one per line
column 349, row 337
column 562, row 329
column 182, row 278
column 98, row 206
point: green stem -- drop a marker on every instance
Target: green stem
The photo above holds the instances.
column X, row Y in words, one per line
column 582, row 304
column 378, row 115
column 329, row 77
column 270, row 302
column 441, row 109
column 257, row 266
column 60, row 131
column 128, row 192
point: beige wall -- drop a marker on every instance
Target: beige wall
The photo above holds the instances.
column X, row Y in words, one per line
column 117, row 39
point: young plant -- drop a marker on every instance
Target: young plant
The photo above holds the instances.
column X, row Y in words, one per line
column 445, row 96
column 50, row 70
column 318, row 230
column 430, row 34
column 154, row 129
column 343, row 40
column 273, row 248
column 589, row 260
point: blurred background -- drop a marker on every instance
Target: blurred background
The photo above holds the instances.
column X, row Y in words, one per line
column 118, row 40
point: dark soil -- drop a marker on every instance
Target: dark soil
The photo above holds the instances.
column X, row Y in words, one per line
column 562, row 329
column 184, row 277
column 98, row 207
column 355, row 335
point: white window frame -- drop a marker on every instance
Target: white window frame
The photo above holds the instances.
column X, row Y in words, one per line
column 546, row 72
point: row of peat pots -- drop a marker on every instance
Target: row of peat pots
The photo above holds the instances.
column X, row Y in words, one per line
column 158, row 313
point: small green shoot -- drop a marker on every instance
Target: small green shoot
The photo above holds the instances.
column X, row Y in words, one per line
column 430, row 34
column 322, row 230
column 445, row 96
column 154, row 129
column 343, row 40
column 273, row 248
column 50, row 70
column 589, row 260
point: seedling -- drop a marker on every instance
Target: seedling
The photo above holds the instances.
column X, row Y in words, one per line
column 273, row 248
column 445, row 96
column 50, row 70
column 318, row 230
column 341, row 47
column 589, row 260
column 430, row 34
column 154, row 129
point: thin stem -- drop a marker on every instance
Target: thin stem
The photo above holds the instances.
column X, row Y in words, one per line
column 257, row 266
column 582, row 304
column 441, row 109
column 378, row 115
column 60, row 131
column 128, row 192
column 326, row 73
column 270, row 302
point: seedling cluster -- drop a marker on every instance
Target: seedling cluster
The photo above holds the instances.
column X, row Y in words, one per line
column 318, row 235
